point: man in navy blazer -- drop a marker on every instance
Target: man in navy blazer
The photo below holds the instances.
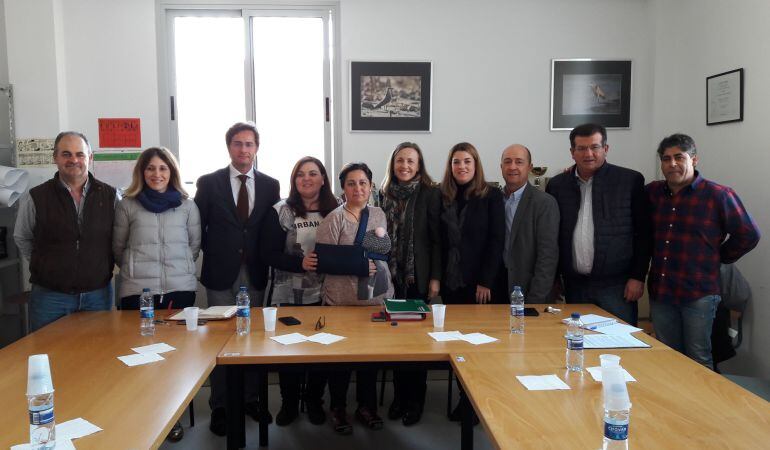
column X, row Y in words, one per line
column 232, row 202
column 531, row 251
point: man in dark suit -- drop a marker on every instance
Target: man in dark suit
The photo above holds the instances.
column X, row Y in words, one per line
column 531, row 250
column 232, row 202
column 604, row 232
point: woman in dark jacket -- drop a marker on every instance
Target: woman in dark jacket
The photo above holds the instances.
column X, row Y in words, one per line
column 412, row 206
column 472, row 229
column 287, row 241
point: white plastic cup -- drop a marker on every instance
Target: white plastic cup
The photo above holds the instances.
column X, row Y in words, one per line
column 608, row 360
column 191, row 317
column 39, row 375
column 269, row 315
column 439, row 312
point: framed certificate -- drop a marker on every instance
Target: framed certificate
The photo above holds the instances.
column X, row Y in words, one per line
column 724, row 97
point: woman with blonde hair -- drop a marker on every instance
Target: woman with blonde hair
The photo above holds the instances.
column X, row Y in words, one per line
column 157, row 234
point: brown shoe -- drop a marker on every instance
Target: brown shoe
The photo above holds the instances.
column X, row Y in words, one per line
column 339, row 419
column 369, row 418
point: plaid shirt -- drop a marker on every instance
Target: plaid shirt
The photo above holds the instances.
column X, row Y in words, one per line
column 689, row 232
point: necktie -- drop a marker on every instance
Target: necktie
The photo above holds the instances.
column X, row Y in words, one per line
column 242, row 207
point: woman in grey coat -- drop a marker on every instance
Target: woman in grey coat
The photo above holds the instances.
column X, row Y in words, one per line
column 157, row 234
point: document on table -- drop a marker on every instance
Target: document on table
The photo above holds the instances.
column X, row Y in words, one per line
column 477, row 338
column 617, row 328
column 65, row 432
column 140, row 358
column 542, row 382
column 325, row 338
column 160, row 347
column 288, row 339
column 596, row 373
column 443, row 336
column 612, row 341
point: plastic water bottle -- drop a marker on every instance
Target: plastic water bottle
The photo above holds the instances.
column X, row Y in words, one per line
column 575, row 343
column 243, row 316
column 42, row 425
column 147, row 313
column 617, row 410
column 517, row 311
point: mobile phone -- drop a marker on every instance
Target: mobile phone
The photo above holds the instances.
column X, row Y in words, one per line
column 531, row 312
column 289, row 320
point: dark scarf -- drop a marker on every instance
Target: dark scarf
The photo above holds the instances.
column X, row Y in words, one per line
column 398, row 205
column 453, row 217
column 159, row 202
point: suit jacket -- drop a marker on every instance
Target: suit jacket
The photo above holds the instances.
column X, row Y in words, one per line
column 533, row 255
column 483, row 238
column 224, row 238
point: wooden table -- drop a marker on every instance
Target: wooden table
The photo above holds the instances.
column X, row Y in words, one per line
column 676, row 403
column 368, row 342
column 135, row 406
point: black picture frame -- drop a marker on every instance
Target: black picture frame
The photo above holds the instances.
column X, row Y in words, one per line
column 724, row 97
column 590, row 91
column 406, row 108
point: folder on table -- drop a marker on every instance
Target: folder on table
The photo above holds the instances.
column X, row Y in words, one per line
column 406, row 309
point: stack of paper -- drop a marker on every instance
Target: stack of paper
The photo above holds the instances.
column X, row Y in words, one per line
column 596, row 373
column 473, row 338
column 66, row 432
column 612, row 341
column 146, row 354
column 542, row 382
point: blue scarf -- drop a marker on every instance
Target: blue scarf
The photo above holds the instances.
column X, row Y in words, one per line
column 159, row 202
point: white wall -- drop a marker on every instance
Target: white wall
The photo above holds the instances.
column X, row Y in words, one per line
column 696, row 39
column 492, row 69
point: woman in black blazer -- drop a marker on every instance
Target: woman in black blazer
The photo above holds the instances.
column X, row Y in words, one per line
column 472, row 229
column 412, row 206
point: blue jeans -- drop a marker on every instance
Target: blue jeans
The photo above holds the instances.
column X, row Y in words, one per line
column 608, row 298
column 686, row 327
column 46, row 305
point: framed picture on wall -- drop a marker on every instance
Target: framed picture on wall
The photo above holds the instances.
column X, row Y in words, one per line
column 590, row 90
column 724, row 97
column 390, row 96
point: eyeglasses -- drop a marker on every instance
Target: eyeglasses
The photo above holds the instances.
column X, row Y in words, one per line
column 593, row 148
column 320, row 323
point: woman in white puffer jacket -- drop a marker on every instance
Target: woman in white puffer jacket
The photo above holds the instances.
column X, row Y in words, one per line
column 157, row 234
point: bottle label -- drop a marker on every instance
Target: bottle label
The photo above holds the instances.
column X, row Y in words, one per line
column 147, row 313
column 575, row 344
column 617, row 431
column 243, row 311
column 41, row 417
column 517, row 311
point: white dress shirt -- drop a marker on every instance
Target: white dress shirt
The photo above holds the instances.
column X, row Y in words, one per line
column 235, row 183
column 583, row 236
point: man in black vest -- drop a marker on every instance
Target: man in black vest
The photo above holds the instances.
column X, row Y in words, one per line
column 64, row 229
column 232, row 202
column 604, row 232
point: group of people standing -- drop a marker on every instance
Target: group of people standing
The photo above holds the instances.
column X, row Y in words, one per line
column 593, row 237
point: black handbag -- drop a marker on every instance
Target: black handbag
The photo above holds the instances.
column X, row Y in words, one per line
column 334, row 259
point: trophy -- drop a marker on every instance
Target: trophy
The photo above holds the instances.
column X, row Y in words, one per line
column 538, row 172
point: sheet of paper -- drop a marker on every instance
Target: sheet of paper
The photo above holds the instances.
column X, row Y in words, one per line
column 542, row 382
column 591, row 319
column 140, row 358
column 612, row 341
column 61, row 444
column 596, row 373
column 443, row 336
column 617, row 328
column 160, row 347
column 76, row 428
column 325, row 338
column 478, row 338
column 288, row 339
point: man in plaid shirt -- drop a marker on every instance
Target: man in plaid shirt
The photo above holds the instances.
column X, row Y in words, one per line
column 697, row 224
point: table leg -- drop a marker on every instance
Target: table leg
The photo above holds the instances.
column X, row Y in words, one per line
column 449, row 392
column 236, row 422
column 466, row 423
column 263, row 423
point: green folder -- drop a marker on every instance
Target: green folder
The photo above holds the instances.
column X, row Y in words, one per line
column 405, row 306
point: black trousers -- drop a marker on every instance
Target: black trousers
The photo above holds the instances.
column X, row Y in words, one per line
column 177, row 300
column 366, row 388
column 409, row 386
column 290, row 382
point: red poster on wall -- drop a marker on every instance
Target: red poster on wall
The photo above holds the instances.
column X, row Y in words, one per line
column 120, row 133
